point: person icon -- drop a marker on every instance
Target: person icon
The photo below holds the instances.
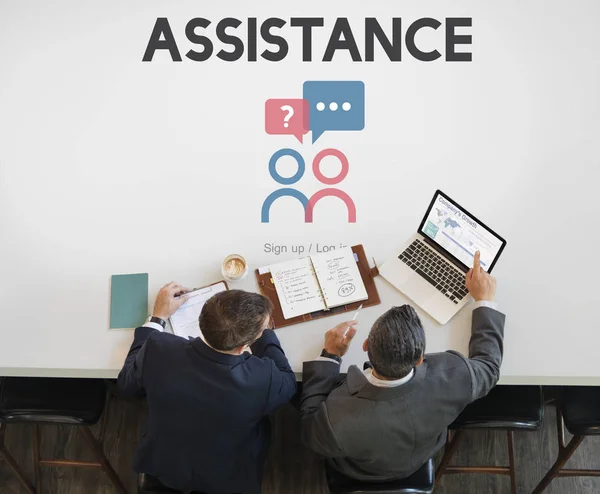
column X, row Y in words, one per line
column 308, row 204
column 330, row 191
column 285, row 191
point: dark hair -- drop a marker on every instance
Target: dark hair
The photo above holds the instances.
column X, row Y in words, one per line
column 234, row 318
column 396, row 342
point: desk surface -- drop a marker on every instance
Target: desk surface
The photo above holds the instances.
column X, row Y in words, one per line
column 89, row 350
column 110, row 165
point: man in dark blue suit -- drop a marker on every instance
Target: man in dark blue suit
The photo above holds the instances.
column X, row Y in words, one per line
column 208, row 428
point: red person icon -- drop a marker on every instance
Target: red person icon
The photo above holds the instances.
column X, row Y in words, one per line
column 317, row 196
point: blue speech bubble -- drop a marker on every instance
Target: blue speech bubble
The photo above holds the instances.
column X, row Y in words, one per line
column 335, row 105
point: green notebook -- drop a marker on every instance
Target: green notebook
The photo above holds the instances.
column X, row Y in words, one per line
column 128, row 300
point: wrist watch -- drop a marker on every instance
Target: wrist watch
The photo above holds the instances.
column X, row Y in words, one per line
column 326, row 354
column 157, row 320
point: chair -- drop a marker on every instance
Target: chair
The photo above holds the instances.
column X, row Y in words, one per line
column 75, row 402
column 150, row 485
column 509, row 408
column 6, row 456
column 579, row 410
column 420, row 482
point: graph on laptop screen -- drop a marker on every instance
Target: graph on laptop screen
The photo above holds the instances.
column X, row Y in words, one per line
column 460, row 234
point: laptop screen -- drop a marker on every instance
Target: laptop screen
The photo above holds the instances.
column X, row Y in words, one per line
column 459, row 233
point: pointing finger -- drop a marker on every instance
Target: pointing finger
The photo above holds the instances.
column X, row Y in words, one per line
column 476, row 265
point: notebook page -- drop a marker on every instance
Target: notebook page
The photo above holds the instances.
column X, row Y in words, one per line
column 185, row 321
column 297, row 288
column 339, row 277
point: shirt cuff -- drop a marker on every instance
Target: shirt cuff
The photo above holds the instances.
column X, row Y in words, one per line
column 325, row 359
column 486, row 303
column 153, row 325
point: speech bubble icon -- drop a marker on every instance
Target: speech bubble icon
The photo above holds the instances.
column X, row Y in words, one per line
column 287, row 117
column 335, row 105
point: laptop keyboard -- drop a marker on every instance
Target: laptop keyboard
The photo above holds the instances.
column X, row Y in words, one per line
column 436, row 270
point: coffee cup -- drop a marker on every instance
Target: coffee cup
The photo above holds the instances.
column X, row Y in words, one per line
column 234, row 268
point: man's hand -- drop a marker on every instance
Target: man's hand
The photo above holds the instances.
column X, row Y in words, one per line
column 481, row 285
column 169, row 299
column 335, row 343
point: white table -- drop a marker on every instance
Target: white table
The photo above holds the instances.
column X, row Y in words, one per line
column 109, row 165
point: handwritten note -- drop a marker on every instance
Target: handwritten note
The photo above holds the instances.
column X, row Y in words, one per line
column 339, row 277
column 318, row 283
column 297, row 288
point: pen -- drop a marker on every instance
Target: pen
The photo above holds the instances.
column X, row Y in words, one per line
column 354, row 319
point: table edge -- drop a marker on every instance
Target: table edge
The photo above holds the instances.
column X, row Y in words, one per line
column 113, row 373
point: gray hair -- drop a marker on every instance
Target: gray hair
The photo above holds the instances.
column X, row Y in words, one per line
column 396, row 342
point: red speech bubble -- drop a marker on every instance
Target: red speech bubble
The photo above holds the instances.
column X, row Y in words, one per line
column 287, row 117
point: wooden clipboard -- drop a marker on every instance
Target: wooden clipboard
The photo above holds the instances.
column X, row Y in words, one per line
column 367, row 274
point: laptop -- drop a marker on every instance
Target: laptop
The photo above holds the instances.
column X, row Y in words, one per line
column 430, row 269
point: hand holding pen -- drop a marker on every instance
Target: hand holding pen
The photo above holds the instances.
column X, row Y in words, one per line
column 169, row 299
column 335, row 341
column 338, row 339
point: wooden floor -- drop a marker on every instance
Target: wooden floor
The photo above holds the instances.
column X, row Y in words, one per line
column 292, row 469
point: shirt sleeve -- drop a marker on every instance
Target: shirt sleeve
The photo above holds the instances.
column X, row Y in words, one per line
column 486, row 303
column 153, row 325
column 325, row 359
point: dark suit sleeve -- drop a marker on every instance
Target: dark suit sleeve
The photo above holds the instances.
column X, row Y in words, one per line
column 486, row 348
column 130, row 377
column 319, row 378
column 283, row 381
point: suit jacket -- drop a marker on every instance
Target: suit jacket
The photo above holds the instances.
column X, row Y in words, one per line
column 208, row 427
column 376, row 434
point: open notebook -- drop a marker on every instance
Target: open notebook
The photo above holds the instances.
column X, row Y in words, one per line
column 318, row 282
column 185, row 321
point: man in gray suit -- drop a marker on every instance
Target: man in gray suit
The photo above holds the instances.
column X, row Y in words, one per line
column 386, row 422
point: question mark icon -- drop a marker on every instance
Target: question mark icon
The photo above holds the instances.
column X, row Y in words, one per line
column 288, row 116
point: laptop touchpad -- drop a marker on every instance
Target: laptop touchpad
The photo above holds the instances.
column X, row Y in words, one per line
column 418, row 289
